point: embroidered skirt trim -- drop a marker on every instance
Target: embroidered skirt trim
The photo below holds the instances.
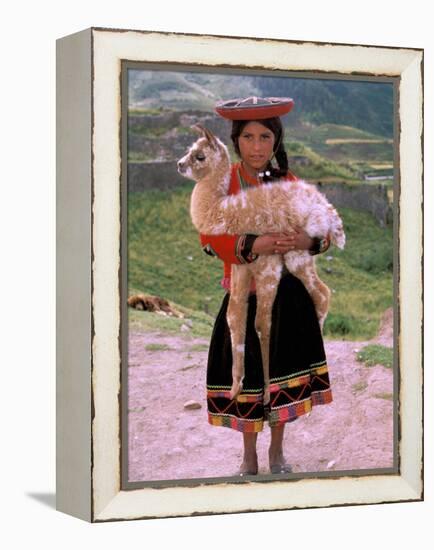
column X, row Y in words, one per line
column 291, row 397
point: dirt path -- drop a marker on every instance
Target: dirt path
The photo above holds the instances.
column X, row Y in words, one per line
column 168, row 441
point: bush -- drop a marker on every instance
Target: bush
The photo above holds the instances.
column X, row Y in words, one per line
column 336, row 323
column 378, row 259
column 369, row 247
column 295, row 147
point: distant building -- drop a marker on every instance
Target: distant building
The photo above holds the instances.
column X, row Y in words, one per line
column 374, row 178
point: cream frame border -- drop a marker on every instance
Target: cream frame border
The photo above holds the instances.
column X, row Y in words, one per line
column 109, row 47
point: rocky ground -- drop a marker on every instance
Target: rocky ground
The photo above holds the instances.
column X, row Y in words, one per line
column 168, row 440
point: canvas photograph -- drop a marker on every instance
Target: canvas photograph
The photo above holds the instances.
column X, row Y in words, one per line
column 259, row 275
column 239, row 275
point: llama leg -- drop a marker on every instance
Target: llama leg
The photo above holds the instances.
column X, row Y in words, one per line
column 319, row 292
column 302, row 266
column 321, row 299
column 267, row 282
column 237, row 318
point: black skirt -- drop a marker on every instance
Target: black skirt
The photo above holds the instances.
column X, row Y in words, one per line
column 299, row 376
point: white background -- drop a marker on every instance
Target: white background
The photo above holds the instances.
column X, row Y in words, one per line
column 29, row 31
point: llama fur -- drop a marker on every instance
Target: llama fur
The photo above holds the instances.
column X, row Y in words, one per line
column 267, row 208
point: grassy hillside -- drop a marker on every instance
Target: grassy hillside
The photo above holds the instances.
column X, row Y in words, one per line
column 164, row 253
column 339, row 152
column 165, row 258
column 347, row 144
column 185, row 90
column 362, row 104
column 333, row 152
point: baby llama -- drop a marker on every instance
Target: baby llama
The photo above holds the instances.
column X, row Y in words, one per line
column 273, row 207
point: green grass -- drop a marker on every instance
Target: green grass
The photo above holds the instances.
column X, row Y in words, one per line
column 193, row 366
column 387, row 396
column 165, row 258
column 198, row 347
column 360, row 277
column 359, row 387
column 157, row 347
column 137, row 410
column 164, row 252
column 375, row 354
column 201, row 326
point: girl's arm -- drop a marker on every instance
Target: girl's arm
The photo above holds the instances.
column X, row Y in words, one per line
column 232, row 249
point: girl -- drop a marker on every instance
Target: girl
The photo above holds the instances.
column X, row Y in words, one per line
column 298, row 370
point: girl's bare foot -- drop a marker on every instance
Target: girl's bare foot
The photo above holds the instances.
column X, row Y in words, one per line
column 249, row 466
column 278, row 464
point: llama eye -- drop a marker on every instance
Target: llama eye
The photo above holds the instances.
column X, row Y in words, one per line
column 200, row 157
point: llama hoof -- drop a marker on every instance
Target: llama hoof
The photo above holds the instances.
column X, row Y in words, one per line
column 267, row 397
column 235, row 390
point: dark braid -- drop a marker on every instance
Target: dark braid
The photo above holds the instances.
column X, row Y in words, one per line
column 282, row 159
column 275, row 125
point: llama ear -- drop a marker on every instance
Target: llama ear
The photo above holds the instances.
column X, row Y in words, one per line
column 207, row 134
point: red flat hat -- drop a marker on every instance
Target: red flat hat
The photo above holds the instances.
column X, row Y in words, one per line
column 254, row 108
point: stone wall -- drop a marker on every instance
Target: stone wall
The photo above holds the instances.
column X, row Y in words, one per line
column 363, row 197
column 153, row 175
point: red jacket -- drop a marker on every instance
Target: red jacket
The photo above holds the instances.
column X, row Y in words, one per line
column 228, row 248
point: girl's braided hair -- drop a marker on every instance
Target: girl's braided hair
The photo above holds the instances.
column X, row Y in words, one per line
column 275, row 125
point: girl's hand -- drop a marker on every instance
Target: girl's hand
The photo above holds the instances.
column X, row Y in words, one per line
column 299, row 239
column 281, row 243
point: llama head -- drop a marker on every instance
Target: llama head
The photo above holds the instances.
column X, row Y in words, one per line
column 207, row 156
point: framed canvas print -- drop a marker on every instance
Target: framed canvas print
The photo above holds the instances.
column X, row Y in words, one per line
column 148, row 425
